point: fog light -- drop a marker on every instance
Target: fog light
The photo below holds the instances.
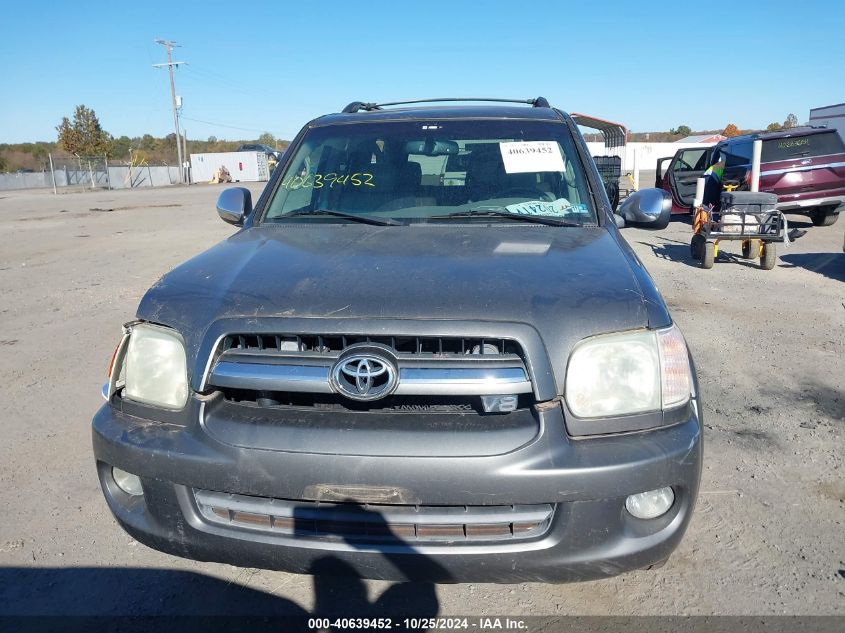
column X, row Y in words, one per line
column 127, row 482
column 651, row 504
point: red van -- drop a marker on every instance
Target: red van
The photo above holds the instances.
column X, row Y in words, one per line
column 804, row 166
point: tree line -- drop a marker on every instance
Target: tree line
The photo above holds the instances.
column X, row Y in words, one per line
column 682, row 131
column 82, row 135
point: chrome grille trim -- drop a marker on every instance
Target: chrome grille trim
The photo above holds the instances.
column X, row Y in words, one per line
column 462, row 381
column 297, row 378
column 413, row 381
column 427, row 366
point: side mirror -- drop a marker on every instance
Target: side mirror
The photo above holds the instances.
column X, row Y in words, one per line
column 647, row 209
column 234, row 204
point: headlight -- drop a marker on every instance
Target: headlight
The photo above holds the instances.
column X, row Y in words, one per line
column 627, row 373
column 155, row 368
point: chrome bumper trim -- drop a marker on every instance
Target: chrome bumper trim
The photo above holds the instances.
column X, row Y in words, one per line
column 810, row 202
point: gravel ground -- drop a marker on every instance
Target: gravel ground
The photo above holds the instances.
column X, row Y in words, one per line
column 766, row 538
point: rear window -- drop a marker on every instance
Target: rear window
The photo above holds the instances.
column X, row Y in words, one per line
column 801, row 146
column 737, row 154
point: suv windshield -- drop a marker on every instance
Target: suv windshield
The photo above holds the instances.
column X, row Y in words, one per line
column 434, row 171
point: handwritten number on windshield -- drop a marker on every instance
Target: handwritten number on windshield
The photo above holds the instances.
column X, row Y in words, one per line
column 318, row 181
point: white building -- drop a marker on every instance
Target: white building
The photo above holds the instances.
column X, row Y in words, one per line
column 832, row 116
column 702, row 138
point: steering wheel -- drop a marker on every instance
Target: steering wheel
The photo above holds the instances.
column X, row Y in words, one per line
column 531, row 192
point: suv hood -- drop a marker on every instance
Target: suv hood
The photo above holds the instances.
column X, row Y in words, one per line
column 568, row 283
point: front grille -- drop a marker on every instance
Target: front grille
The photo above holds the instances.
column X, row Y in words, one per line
column 375, row 523
column 334, row 344
column 274, row 368
column 332, row 402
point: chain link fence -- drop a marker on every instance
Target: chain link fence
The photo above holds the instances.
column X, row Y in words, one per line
column 76, row 173
column 80, row 172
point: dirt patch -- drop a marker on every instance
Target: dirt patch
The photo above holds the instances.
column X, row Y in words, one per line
column 834, row 490
column 136, row 206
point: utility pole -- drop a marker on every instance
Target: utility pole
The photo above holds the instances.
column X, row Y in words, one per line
column 185, row 154
column 168, row 44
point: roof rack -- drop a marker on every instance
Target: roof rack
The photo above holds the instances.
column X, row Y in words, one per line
column 357, row 106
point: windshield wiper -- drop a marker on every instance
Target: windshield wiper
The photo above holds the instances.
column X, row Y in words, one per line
column 363, row 219
column 496, row 213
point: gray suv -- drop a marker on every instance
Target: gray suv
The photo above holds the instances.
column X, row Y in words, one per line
column 426, row 353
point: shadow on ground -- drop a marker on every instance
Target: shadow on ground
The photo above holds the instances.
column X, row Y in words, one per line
column 831, row 265
column 339, row 590
column 75, row 591
column 135, row 591
column 673, row 251
column 821, row 400
column 676, row 251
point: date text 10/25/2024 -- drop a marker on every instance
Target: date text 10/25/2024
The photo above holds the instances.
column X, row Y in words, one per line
column 423, row 623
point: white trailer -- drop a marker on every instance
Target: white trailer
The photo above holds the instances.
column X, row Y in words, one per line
column 242, row 166
column 832, row 116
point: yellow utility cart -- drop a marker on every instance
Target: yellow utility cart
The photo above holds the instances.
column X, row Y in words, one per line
column 746, row 216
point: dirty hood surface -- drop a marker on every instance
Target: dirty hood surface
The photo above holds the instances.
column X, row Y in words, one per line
column 567, row 283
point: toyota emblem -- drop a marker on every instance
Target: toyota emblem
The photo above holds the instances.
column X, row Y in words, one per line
column 364, row 376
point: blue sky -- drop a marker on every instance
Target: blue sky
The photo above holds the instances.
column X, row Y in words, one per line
column 273, row 66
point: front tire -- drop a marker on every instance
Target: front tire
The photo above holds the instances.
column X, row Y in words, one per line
column 708, row 256
column 697, row 246
column 824, row 218
column 750, row 249
column 768, row 256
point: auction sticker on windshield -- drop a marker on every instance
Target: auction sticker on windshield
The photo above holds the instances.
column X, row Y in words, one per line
column 531, row 156
column 559, row 207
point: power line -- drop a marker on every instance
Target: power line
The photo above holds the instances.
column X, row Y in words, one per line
column 226, row 125
column 168, row 44
column 233, row 127
column 202, row 76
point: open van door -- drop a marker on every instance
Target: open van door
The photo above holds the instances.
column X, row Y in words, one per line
column 686, row 167
column 659, row 174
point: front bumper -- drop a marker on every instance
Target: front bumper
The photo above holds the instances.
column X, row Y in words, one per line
column 590, row 535
column 835, row 203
